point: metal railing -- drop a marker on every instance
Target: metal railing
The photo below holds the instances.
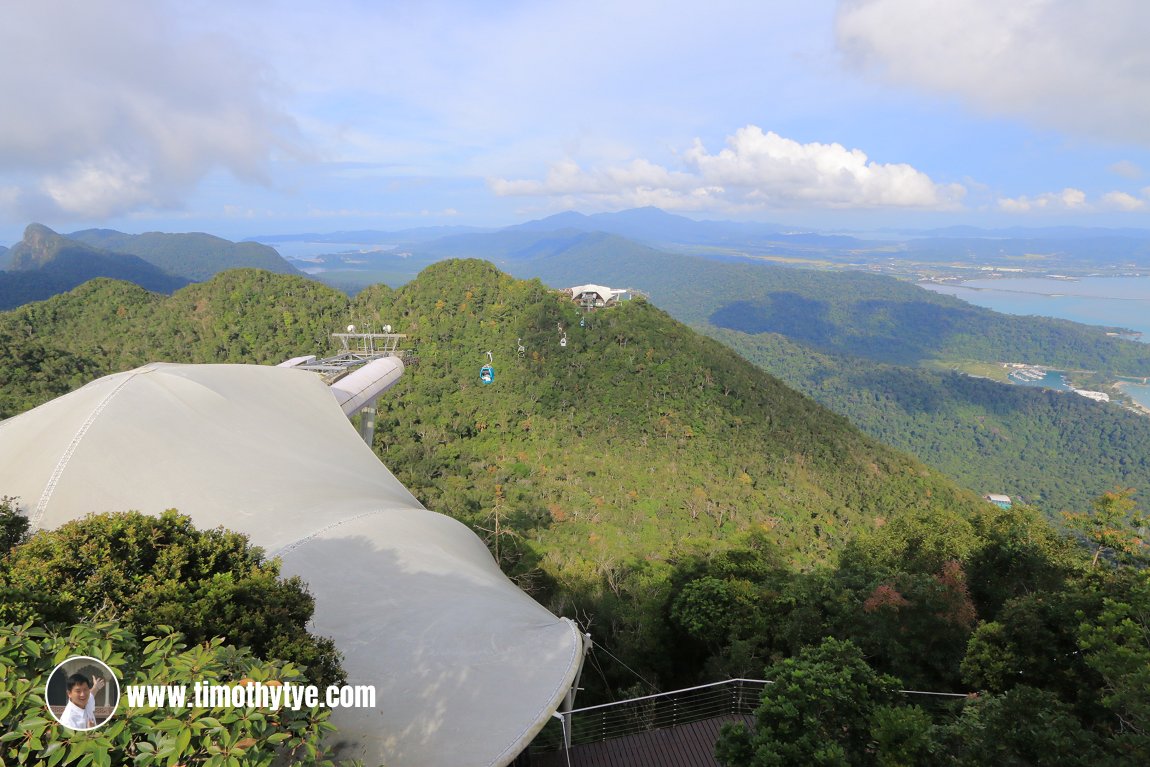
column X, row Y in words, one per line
column 731, row 697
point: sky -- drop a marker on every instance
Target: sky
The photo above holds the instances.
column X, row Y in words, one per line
column 273, row 117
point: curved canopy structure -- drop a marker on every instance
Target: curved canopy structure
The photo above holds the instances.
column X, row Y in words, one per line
column 467, row 668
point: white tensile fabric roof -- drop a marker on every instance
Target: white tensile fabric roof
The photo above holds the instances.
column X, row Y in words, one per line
column 467, row 668
column 604, row 292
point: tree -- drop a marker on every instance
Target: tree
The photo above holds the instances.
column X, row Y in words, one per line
column 712, row 610
column 1117, row 645
column 904, row 736
column 1114, row 525
column 818, row 711
column 13, row 525
column 1025, row 727
column 151, row 736
column 149, row 572
column 1033, row 641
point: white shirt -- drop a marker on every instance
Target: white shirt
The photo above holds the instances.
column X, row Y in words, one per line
column 77, row 718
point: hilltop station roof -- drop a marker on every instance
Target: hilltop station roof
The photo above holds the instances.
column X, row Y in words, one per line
column 467, row 668
column 605, row 294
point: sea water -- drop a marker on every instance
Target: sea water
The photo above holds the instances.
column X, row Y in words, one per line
column 1054, row 379
column 1121, row 302
column 1140, row 393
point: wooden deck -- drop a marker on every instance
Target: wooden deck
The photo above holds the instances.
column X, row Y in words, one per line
column 687, row 745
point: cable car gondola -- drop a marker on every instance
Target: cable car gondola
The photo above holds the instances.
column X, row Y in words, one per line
column 487, row 372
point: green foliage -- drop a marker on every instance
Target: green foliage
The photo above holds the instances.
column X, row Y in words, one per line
column 709, row 609
column 105, row 326
column 904, row 736
column 44, row 264
column 863, row 345
column 33, row 373
column 1025, row 727
column 817, row 711
column 1116, row 645
column 1055, row 450
column 1019, row 553
column 1085, row 645
column 161, row 571
column 193, row 256
column 1003, row 653
column 13, row 525
column 150, row 736
column 1115, row 525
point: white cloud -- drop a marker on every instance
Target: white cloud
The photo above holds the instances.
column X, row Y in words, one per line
column 568, row 178
column 755, row 171
column 110, row 107
column 1126, row 169
column 99, row 187
column 1072, row 200
column 1073, row 66
column 1122, row 201
column 1068, row 199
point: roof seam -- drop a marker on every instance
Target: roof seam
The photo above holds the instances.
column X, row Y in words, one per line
column 301, row 541
column 58, row 471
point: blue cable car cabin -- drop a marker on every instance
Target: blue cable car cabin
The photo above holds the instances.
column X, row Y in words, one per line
column 486, row 374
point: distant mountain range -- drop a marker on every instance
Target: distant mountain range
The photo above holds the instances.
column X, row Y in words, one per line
column 874, row 348
column 195, row 257
column 46, row 263
column 1063, row 249
column 871, row 347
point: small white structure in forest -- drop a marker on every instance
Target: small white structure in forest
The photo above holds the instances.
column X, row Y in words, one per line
column 598, row 296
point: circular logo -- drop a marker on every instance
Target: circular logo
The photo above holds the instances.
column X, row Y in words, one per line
column 82, row 693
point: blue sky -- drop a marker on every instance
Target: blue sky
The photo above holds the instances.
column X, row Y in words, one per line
column 268, row 117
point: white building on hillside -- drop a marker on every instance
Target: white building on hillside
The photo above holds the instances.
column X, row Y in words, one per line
column 598, row 296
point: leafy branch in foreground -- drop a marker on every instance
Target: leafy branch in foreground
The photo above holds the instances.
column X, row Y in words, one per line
column 147, row 735
column 150, row 571
column 1115, row 525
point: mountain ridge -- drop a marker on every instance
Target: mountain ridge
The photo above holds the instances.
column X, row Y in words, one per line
column 193, row 256
column 693, row 514
column 713, row 403
column 46, row 263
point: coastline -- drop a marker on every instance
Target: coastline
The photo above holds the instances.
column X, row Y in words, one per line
column 1134, row 404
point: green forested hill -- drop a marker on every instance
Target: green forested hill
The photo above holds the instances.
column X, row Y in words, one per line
column 694, row 514
column 244, row 315
column 602, row 463
column 833, row 336
column 674, row 435
column 193, row 256
column 1053, row 449
column 44, row 264
column 679, row 437
column 854, row 313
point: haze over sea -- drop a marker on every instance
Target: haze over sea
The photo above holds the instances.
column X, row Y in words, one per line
column 1122, row 302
